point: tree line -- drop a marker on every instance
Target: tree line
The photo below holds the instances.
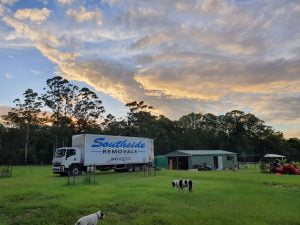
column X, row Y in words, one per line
column 29, row 135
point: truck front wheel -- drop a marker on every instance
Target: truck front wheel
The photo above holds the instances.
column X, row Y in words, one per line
column 75, row 170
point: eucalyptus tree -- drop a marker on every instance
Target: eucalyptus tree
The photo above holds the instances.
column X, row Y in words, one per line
column 114, row 126
column 59, row 97
column 25, row 115
column 191, row 125
column 87, row 110
column 140, row 121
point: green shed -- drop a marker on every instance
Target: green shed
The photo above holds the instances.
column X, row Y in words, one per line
column 161, row 161
column 189, row 159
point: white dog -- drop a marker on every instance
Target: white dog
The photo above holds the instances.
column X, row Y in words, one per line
column 91, row 219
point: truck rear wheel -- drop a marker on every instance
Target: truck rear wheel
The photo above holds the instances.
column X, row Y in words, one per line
column 126, row 168
column 75, row 170
column 131, row 168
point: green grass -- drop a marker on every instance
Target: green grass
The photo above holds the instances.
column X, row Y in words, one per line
column 35, row 196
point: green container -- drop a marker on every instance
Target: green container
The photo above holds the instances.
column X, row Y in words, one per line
column 161, row 161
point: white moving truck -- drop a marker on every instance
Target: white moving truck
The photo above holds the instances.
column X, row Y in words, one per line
column 103, row 152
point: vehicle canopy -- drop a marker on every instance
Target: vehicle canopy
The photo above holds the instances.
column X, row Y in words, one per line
column 274, row 156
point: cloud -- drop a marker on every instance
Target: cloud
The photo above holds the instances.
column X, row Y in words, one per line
column 4, row 110
column 35, row 71
column 1, row 10
column 151, row 40
column 212, row 80
column 180, row 56
column 35, row 15
column 83, row 15
column 8, row 2
column 107, row 76
column 293, row 133
column 297, row 8
column 114, row 79
column 8, row 76
column 31, row 33
column 214, row 6
column 65, row 2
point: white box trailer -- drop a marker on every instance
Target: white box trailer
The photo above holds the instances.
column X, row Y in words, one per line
column 104, row 152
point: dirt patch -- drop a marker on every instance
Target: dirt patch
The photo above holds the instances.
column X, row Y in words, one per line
column 30, row 197
column 27, row 215
column 281, row 186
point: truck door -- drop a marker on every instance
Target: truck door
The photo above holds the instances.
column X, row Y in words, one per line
column 71, row 157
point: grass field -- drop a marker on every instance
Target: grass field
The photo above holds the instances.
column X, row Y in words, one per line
column 35, row 196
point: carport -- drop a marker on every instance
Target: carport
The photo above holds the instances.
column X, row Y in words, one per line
column 188, row 159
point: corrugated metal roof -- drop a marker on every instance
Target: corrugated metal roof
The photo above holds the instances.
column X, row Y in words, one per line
column 177, row 153
column 199, row 152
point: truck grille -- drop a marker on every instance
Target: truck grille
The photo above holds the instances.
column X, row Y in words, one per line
column 56, row 164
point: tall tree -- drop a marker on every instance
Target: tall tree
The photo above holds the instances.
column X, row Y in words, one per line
column 25, row 115
column 60, row 97
column 113, row 126
column 140, row 119
column 87, row 110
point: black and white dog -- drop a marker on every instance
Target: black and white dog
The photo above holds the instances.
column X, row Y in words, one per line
column 180, row 184
column 91, row 219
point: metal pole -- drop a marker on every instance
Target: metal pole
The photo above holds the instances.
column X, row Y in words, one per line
column 94, row 174
column 147, row 169
column 10, row 171
column 68, row 177
column 74, row 179
column 90, row 180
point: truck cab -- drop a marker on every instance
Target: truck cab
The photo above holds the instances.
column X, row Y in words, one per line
column 67, row 159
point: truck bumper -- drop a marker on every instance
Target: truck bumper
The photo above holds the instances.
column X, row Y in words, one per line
column 58, row 169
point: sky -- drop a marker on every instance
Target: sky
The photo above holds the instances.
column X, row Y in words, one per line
column 178, row 56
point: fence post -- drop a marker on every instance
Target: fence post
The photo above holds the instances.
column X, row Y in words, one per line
column 94, row 174
column 90, row 174
column 74, row 182
column 69, row 177
column 10, row 174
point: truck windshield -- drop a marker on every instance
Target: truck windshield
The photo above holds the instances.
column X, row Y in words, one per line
column 60, row 153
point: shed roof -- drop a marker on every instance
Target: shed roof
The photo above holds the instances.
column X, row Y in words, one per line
column 199, row 152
